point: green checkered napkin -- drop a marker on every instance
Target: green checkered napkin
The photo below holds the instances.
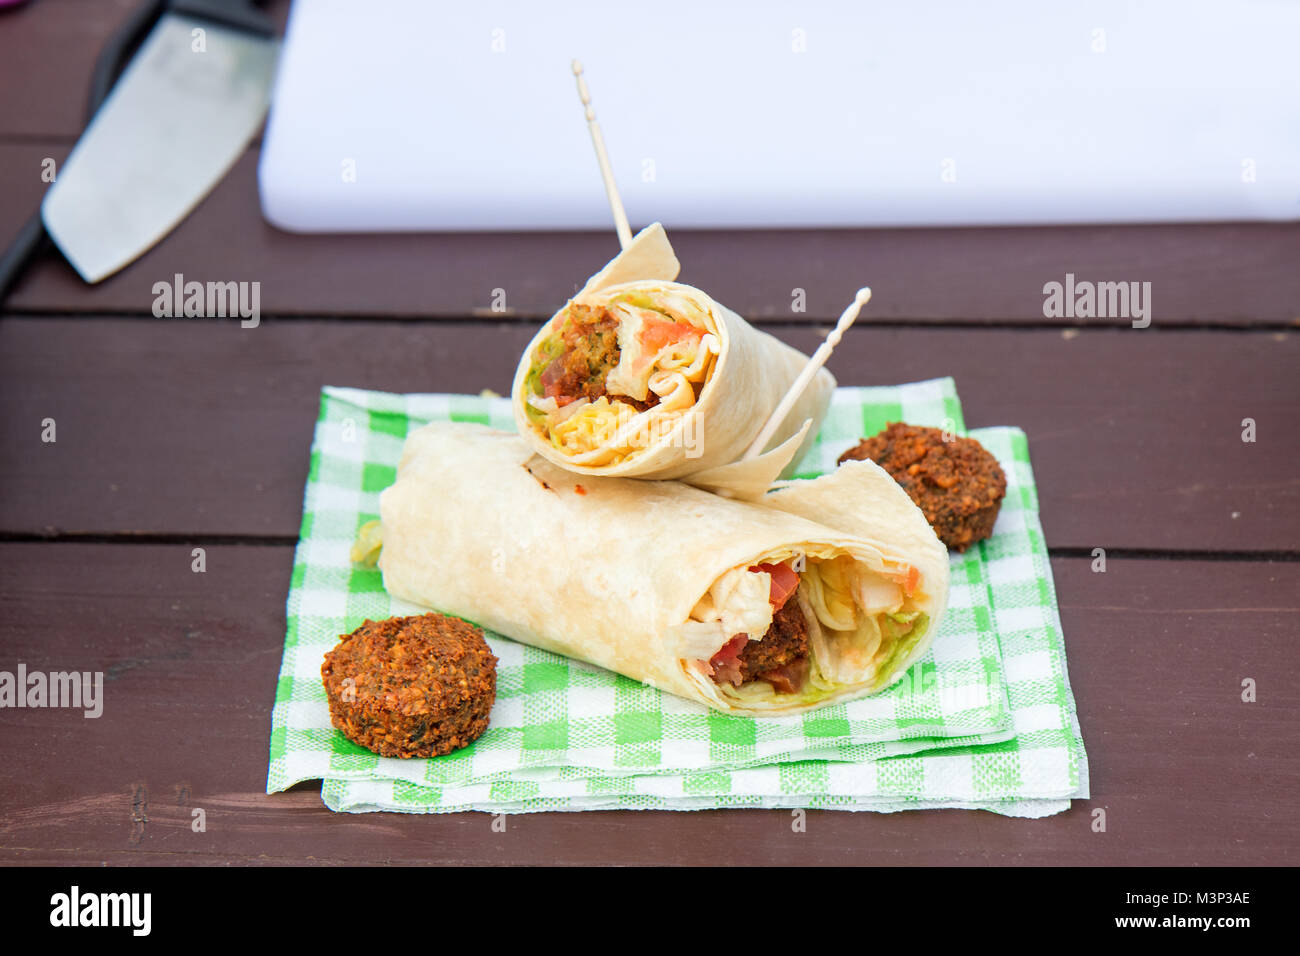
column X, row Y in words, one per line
column 566, row 735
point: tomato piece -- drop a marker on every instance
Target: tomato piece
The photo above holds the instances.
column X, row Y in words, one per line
column 725, row 665
column 730, row 651
column 552, row 378
column 657, row 333
column 908, row 577
column 785, row 581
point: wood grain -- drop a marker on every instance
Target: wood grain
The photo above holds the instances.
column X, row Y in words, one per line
column 22, row 187
column 48, row 50
column 1235, row 274
column 1187, row 773
column 201, row 427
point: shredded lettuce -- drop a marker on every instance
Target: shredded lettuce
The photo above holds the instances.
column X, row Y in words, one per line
column 919, row 623
column 547, row 350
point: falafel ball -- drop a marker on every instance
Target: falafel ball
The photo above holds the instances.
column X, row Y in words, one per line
column 957, row 484
column 419, row 686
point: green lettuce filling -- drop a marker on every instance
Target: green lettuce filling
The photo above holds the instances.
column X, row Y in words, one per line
column 546, row 352
column 915, row 625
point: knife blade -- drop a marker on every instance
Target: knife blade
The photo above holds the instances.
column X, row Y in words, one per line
column 179, row 117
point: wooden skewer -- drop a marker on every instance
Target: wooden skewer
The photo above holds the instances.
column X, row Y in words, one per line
column 602, row 157
column 806, row 375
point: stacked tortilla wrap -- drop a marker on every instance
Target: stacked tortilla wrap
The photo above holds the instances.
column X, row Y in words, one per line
column 657, row 579
column 639, row 376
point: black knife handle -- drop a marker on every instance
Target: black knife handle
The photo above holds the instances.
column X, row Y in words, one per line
column 30, row 240
column 240, row 14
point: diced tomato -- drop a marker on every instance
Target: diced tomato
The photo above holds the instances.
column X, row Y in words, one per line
column 552, row 389
column 656, row 333
column 726, row 663
column 908, row 577
column 785, row 581
column 730, row 651
column 551, row 378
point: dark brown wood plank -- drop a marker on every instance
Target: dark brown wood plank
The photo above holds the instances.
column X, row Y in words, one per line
column 47, row 53
column 201, row 427
column 23, row 187
column 1187, row 773
column 1232, row 274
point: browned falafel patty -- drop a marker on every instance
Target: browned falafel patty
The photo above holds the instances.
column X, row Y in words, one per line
column 957, row 484
column 784, row 643
column 417, row 686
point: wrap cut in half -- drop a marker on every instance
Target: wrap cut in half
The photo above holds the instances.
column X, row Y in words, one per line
column 826, row 590
column 639, row 376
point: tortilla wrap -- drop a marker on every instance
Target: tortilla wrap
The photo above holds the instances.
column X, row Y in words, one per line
column 713, row 386
column 652, row 579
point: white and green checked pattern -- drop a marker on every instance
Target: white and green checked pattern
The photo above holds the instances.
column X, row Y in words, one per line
column 565, row 735
column 553, row 712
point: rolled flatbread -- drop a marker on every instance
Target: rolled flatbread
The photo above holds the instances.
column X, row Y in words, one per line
column 826, row 590
column 641, row 376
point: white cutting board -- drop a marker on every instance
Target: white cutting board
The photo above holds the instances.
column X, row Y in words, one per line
column 416, row 115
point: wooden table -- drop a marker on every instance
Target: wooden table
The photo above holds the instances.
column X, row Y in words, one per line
column 178, row 433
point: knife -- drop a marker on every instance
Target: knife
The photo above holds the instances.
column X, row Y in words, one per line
column 181, row 114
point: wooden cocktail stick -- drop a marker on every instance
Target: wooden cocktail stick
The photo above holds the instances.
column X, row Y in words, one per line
column 817, row 361
column 602, row 157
